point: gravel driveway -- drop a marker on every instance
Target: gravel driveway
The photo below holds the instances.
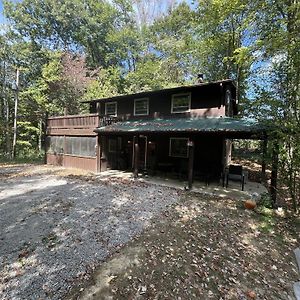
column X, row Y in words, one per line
column 54, row 231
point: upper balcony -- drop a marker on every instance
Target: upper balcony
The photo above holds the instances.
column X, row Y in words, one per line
column 73, row 124
column 78, row 124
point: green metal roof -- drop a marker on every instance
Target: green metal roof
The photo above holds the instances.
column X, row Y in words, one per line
column 185, row 125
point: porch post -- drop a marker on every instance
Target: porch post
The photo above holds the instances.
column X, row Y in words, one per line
column 45, row 138
column 98, row 109
column 263, row 163
column 98, row 154
column 136, row 157
column 274, row 173
column 191, row 164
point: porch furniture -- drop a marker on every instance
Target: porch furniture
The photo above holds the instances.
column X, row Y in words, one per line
column 236, row 173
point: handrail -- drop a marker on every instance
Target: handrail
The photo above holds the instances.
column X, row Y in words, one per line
column 73, row 121
column 71, row 116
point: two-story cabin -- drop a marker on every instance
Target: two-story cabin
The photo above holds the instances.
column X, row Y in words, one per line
column 155, row 131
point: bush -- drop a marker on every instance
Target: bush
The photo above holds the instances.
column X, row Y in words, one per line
column 265, row 201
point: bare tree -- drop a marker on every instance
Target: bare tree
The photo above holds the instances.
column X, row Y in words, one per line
column 148, row 11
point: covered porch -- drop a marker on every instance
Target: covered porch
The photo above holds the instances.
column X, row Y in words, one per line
column 188, row 149
column 253, row 190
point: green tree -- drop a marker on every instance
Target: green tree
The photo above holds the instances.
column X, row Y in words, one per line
column 278, row 45
column 223, row 29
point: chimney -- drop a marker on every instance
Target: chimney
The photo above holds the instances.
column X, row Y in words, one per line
column 200, row 78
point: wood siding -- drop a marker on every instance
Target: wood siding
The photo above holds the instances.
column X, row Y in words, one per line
column 206, row 101
column 208, row 153
column 73, row 126
column 79, row 125
column 85, row 163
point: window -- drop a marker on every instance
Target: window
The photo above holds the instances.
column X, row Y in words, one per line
column 55, row 144
column 81, row 146
column 181, row 103
column 178, row 147
column 111, row 108
column 141, row 107
column 112, row 145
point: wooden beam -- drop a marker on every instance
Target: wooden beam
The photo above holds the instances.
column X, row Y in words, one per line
column 98, row 154
column 136, row 157
column 190, row 164
column 263, row 163
column 274, row 173
column 45, row 137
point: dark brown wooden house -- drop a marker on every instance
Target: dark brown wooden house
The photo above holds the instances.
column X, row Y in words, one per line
column 174, row 130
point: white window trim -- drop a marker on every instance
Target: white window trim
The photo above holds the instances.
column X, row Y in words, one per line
column 115, row 109
column 170, row 146
column 134, row 113
column 172, row 102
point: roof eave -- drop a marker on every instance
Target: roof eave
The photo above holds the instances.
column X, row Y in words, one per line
column 140, row 94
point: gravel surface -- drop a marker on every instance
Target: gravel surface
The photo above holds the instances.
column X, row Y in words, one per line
column 55, row 231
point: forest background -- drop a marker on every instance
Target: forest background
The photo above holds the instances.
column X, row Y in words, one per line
column 67, row 51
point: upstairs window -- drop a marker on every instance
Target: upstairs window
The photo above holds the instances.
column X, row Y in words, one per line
column 111, row 108
column 141, row 107
column 181, row 103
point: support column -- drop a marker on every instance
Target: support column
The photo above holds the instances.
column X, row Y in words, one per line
column 190, row 164
column 98, row 154
column 136, row 157
column 45, row 146
column 263, row 163
column 274, row 173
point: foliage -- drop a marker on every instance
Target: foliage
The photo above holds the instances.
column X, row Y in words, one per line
column 71, row 50
column 266, row 201
column 108, row 83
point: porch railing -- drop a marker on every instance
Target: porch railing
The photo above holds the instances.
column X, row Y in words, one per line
column 74, row 121
column 81, row 121
column 108, row 120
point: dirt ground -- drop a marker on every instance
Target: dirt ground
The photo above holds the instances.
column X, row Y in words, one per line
column 191, row 247
column 203, row 248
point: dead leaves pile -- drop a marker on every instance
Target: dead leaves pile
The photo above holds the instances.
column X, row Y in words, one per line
column 210, row 249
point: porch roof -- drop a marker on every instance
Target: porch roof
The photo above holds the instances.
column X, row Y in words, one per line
column 247, row 127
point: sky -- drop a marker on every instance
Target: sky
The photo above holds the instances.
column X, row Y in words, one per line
column 2, row 19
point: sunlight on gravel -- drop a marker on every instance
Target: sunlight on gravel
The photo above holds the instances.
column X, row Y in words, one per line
column 55, row 231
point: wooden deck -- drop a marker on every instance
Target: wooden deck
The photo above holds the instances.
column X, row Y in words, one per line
column 73, row 125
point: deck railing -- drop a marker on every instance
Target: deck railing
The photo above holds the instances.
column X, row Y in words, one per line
column 74, row 121
column 108, row 120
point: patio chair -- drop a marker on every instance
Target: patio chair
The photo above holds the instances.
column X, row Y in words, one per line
column 235, row 173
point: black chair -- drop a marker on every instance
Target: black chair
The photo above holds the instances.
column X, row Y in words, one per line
column 235, row 172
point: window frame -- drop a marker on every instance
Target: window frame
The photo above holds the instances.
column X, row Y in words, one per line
column 189, row 103
column 116, row 108
column 134, row 107
column 170, row 146
column 77, row 151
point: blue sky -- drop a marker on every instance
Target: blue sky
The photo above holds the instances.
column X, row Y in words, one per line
column 2, row 20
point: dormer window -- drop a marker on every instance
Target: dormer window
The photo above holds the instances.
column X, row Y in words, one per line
column 111, row 108
column 181, row 103
column 141, row 107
